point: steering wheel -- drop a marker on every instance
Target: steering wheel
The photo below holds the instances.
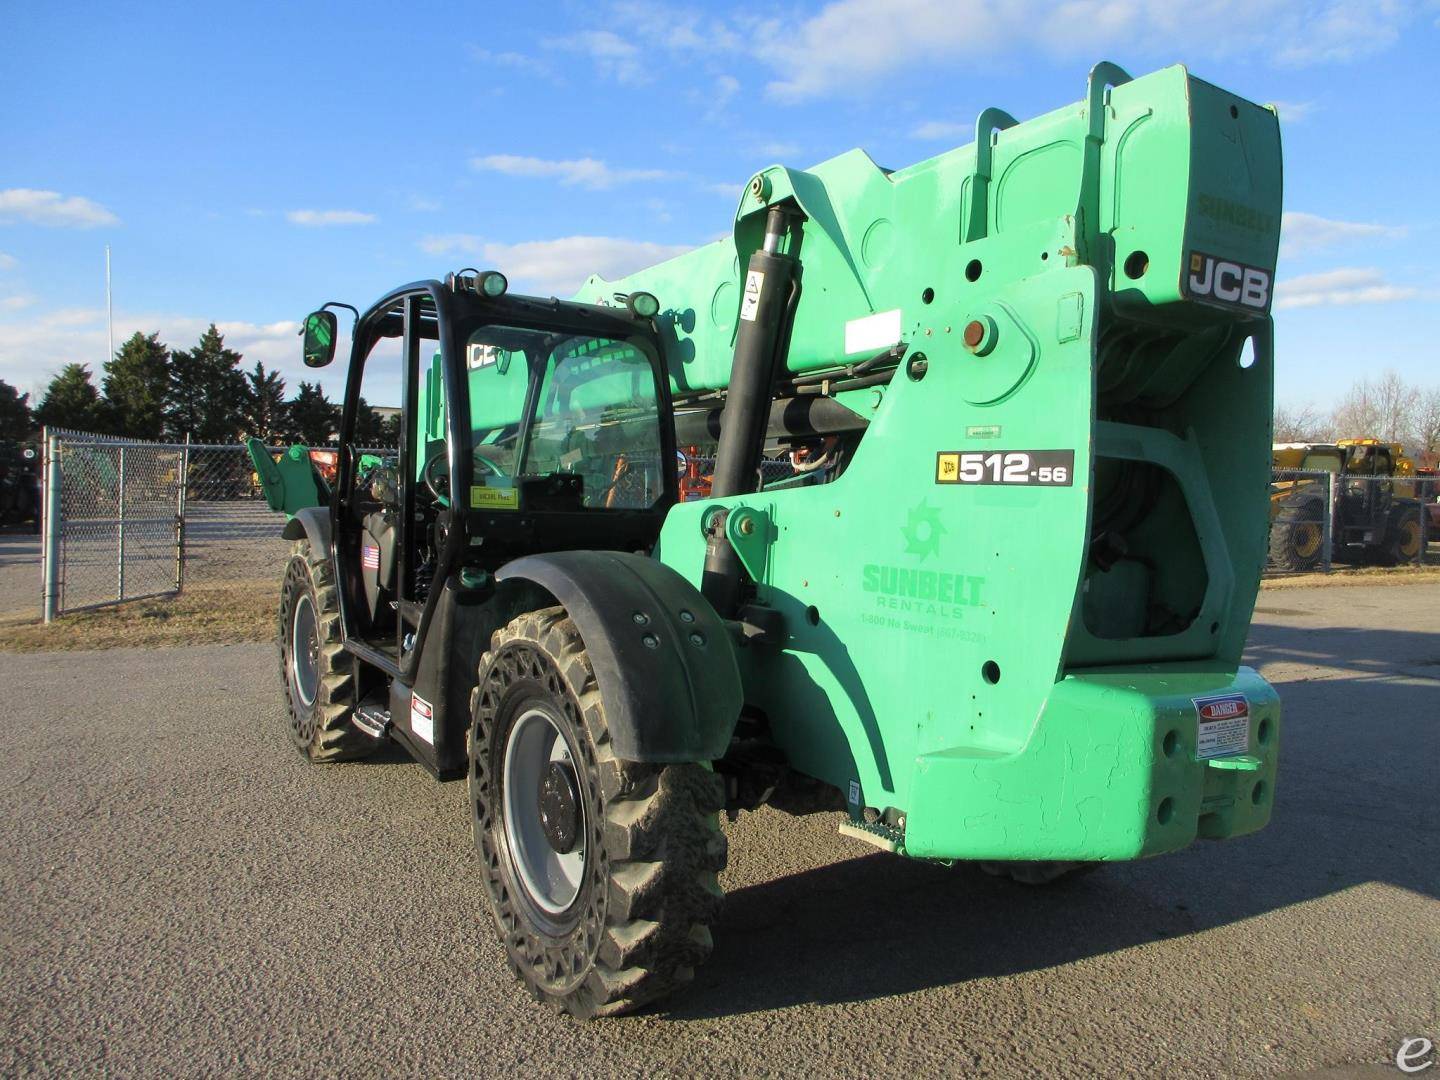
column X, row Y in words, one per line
column 436, row 473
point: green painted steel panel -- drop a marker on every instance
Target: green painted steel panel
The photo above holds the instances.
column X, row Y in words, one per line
column 952, row 651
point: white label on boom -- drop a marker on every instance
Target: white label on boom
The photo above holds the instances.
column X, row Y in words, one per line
column 750, row 302
column 873, row 332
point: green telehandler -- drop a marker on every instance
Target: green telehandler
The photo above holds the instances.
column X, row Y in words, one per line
column 995, row 613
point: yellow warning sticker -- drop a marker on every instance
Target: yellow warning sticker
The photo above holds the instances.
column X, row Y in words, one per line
column 947, row 468
column 494, row 498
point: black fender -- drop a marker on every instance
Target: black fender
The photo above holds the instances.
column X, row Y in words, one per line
column 313, row 524
column 1298, row 505
column 664, row 661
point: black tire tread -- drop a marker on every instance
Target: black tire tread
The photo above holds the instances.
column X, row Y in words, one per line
column 1398, row 518
column 1037, row 872
column 661, row 839
column 334, row 738
column 1282, row 554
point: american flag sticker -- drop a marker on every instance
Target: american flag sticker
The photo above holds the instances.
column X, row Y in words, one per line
column 370, row 557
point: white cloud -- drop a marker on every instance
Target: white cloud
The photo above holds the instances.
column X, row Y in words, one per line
column 614, row 57
column 453, row 244
column 585, row 172
column 777, row 151
column 512, row 61
column 421, row 205
column 1340, row 288
column 676, row 28
column 1343, row 31
column 728, row 191
column 726, row 87
column 943, row 131
column 555, row 267
column 1301, row 234
column 312, row 218
column 850, row 44
column 8, row 262
column 16, row 302
column 34, row 348
column 51, row 208
column 1294, row 112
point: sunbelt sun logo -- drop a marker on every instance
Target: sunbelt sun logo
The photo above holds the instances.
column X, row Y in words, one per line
column 924, row 587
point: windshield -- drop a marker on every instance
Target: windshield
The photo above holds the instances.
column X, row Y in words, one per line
column 593, row 417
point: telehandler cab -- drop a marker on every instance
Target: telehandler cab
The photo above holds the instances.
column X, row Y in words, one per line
column 996, row 613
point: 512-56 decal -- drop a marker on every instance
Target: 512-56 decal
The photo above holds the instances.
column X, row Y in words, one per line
column 1035, row 468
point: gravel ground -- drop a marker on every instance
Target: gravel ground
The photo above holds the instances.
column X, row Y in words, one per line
column 19, row 573
column 186, row 896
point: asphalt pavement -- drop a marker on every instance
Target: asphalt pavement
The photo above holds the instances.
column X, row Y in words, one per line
column 184, row 896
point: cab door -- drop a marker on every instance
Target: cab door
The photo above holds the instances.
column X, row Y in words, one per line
column 382, row 531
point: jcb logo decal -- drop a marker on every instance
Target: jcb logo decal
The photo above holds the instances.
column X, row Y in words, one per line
column 1228, row 282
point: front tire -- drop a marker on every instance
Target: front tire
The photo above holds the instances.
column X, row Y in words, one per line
column 319, row 682
column 601, row 873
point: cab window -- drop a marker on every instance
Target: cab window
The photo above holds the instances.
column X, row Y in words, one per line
column 593, row 417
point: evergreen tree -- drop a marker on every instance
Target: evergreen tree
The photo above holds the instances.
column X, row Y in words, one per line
column 369, row 426
column 137, row 380
column 16, row 422
column 71, row 401
column 207, row 391
column 265, row 405
column 312, row 417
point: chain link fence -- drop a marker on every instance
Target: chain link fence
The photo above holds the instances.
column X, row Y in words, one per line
column 126, row 519
column 112, row 524
column 1321, row 519
column 230, row 534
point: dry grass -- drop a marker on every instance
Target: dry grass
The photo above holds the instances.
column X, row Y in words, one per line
column 201, row 615
column 211, row 614
column 1361, row 575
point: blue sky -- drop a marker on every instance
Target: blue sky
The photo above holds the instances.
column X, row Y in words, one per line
column 248, row 161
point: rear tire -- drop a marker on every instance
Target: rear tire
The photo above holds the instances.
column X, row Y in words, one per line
column 1038, row 872
column 1402, row 536
column 318, row 680
column 1297, row 539
column 603, row 897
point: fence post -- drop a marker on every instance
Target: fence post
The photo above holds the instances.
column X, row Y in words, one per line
column 120, row 535
column 1332, row 490
column 52, row 526
column 1423, row 488
column 180, row 515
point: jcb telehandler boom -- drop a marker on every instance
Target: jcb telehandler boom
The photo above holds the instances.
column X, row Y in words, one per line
column 996, row 612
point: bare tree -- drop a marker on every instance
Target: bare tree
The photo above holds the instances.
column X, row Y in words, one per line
column 1396, row 402
column 1425, row 426
column 1383, row 408
column 1297, row 424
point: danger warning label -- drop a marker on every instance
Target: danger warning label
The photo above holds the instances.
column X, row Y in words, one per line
column 1224, row 725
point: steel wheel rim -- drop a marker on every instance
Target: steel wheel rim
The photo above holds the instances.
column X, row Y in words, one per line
column 1307, row 539
column 1410, row 539
column 551, row 880
column 304, row 651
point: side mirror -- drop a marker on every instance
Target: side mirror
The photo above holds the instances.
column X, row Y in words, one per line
column 319, row 334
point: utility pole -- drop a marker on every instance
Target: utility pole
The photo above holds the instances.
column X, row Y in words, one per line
column 109, row 307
